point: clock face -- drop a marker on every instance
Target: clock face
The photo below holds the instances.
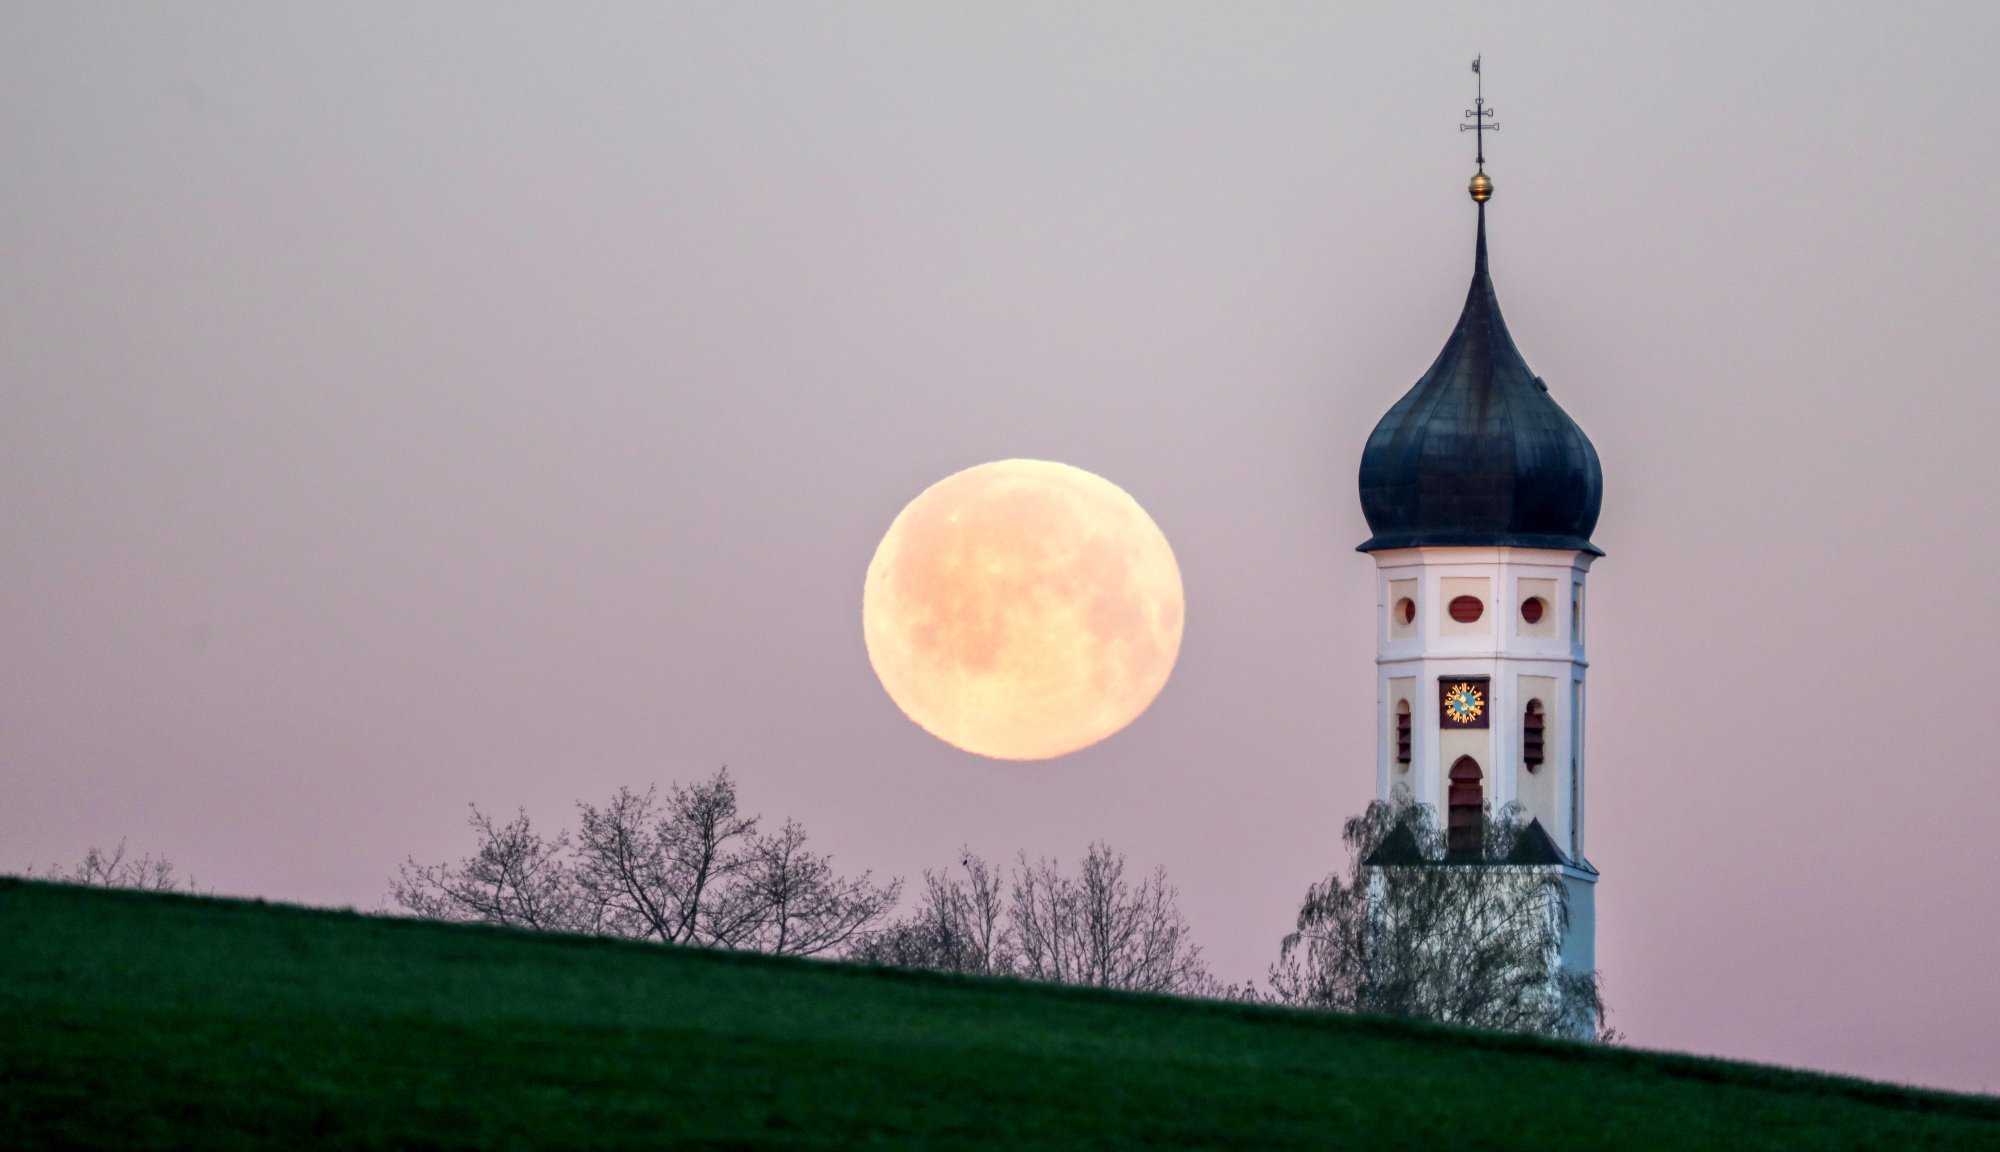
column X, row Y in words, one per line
column 1462, row 702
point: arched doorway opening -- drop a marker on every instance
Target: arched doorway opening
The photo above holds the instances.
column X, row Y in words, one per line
column 1466, row 809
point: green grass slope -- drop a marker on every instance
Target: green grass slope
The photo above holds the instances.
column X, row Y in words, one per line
column 132, row 1021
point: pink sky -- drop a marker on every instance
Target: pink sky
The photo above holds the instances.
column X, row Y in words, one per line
column 411, row 406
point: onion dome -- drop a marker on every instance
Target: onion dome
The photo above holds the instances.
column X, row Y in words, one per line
column 1477, row 453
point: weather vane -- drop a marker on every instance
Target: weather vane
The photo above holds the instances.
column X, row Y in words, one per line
column 1482, row 123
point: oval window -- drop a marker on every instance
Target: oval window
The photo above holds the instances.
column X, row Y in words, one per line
column 1466, row 609
column 1532, row 609
column 1406, row 610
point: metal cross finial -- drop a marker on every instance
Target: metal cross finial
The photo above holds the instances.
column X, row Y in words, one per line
column 1479, row 114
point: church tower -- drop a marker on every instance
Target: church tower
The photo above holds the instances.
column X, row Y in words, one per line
column 1481, row 494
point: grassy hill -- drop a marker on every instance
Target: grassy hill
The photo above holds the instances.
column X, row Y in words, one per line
column 130, row 1020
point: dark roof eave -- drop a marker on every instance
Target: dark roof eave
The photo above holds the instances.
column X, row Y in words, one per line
column 1554, row 543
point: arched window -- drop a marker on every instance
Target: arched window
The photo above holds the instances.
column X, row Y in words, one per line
column 1531, row 736
column 1467, row 807
column 1403, row 734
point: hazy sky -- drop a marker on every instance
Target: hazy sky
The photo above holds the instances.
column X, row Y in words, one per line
column 409, row 405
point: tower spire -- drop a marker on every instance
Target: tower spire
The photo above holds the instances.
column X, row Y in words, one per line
column 1481, row 116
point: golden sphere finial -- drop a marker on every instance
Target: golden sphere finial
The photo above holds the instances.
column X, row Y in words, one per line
column 1481, row 187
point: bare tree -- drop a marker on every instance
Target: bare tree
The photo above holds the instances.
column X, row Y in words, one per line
column 669, row 874
column 1423, row 933
column 1094, row 928
column 957, row 926
column 1098, row 929
column 516, row 878
column 790, row 903
column 101, row 869
column 687, row 869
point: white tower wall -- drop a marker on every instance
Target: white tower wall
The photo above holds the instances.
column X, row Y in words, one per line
column 1521, row 661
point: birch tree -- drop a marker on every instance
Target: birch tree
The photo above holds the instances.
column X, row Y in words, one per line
column 1476, row 943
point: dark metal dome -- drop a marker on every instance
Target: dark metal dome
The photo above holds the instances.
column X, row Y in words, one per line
column 1477, row 453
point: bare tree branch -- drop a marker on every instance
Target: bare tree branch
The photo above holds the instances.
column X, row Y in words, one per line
column 794, row 905
column 515, row 878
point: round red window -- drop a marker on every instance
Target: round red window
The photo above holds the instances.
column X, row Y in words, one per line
column 1532, row 609
column 1406, row 610
column 1466, row 609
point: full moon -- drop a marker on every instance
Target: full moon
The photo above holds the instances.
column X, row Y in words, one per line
column 1023, row 609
